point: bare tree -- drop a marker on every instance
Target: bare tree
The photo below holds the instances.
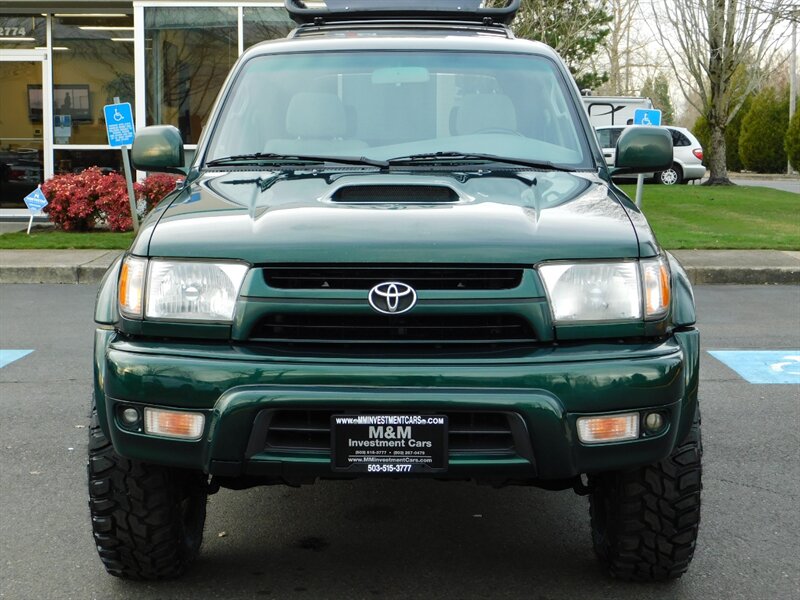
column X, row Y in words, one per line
column 619, row 46
column 715, row 48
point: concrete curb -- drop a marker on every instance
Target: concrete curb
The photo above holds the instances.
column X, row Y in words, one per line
column 54, row 266
column 744, row 276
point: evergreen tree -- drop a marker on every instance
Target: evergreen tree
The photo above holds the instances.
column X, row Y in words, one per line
column 792, row 144
column 761, row 140
column 657, row 89
column 574, row 28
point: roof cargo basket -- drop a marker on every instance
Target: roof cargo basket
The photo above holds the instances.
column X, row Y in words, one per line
column 331, row 11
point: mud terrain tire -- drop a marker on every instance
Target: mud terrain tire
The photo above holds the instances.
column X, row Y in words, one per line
column 645, row 521
column 147, row 520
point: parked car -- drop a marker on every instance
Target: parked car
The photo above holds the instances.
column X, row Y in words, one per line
column 397, row 253
column 20, row 173
column 687, row 155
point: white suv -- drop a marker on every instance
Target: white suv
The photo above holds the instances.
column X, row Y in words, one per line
column 687, row 154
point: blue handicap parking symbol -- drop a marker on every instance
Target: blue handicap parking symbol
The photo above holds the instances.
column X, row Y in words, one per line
column 762, row 366
column 35, row 201
column 643, row 116
column 119, row 124
column 9, row 356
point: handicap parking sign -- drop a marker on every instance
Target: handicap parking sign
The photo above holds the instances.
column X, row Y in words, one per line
column 642, row 116
column 119, row 124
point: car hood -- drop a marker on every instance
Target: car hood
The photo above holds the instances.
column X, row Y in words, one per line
column 358, row 216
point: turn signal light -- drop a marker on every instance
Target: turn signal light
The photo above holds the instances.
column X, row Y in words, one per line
column 171, row 423
column 616, row 428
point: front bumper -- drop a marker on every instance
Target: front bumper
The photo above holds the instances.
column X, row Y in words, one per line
column 547, row 388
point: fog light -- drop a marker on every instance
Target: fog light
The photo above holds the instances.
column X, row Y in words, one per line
column 653, row 422
column 172, row 423
column 611, row 428
column 130, row 416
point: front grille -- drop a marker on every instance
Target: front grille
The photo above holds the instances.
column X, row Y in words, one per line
column 364, row 278
column 312, row 328
column 469, row 432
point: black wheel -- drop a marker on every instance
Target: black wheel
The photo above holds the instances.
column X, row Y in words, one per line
column 147, row 520
column 645, row 521
column 672, row 176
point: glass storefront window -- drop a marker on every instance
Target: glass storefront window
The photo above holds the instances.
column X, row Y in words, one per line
column 265, row 23
column 92, row 64
column 75, row 161
column 21, row 138
column 189, row 52
column 22, row 31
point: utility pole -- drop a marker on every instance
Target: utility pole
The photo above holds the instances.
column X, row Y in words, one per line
column 793, row 74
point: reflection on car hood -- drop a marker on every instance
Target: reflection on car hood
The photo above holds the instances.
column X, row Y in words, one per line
column 265, row 217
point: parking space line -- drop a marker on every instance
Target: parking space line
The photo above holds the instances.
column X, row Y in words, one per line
column 762, row 366
column 9, row 356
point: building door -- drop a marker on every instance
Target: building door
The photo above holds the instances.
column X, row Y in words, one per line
column 25, row 124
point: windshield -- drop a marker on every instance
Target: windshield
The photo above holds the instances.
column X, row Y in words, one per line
column 387, row 104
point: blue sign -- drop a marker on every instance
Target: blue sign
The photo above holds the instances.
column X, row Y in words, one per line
column 119, row 124
column 35, row 201
column 643, row 116
column 762, row 366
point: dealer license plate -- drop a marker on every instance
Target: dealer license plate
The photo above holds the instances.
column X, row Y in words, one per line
column 389, row 444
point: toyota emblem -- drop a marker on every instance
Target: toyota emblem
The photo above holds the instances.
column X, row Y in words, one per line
column 392, row 298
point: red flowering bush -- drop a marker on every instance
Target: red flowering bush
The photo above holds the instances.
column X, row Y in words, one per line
column 156, row 186
column 80, row 201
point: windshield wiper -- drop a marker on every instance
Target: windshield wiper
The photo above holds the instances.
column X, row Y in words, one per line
column 262, row 158
column 449, row 157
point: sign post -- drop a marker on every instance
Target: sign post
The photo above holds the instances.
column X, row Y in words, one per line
column 35, row 201
column 651, row 117
column 119, row 129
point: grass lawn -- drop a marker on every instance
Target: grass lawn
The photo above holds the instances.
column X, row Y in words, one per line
column 683, row 217
column 51, row 239
column 735, row 217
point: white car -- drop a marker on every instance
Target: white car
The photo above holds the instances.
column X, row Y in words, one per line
column 687, row 154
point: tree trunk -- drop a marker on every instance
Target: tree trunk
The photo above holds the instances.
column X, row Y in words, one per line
column 717, row 154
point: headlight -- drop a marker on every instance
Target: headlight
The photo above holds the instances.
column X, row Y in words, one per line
column 180, row 290
column 604, row 291
column 593, row 291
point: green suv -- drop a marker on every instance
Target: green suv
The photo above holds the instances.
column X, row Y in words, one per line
column 397, row 253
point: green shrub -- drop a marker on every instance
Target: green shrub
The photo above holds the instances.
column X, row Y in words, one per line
column 763, row 132
column 792, row 143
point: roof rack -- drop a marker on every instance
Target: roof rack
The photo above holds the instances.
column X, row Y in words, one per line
column 370, row 10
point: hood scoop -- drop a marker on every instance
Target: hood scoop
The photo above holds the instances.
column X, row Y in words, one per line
column 395, row 194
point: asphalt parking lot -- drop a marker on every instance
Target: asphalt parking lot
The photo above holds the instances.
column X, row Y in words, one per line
column 400, row 539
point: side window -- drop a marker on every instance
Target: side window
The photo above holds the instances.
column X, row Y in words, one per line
column 678, row 139
column 615, row 133
column 604, row 137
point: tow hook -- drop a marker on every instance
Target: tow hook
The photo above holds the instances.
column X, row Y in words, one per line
column 580, row 487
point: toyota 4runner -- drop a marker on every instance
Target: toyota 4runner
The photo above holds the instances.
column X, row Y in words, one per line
column 398, row 253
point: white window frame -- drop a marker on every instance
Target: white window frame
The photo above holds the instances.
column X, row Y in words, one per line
column 44, row 57
column 139, row 71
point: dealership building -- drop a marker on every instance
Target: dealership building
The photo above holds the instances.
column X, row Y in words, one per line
column 62, row 61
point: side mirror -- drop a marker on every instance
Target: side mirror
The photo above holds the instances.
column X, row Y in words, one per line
column 158, row 148
column 643, row 150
